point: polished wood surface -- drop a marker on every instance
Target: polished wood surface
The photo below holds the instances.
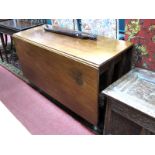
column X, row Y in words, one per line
column 11, row 26
column 17, row 24
column 94, row 53
column 70, row 82
column 131, row 104
column 72, row 70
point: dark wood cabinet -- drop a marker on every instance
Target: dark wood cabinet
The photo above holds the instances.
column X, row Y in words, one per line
column 130, row 104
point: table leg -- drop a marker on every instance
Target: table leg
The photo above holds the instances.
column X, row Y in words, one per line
column 11, row 43
column 1, row 55
column 6, row 40
column 13, row 55
column 4, row 47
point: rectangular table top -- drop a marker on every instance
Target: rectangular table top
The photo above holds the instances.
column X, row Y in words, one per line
column 136, row 89
column 17, row 24
column 91, row 52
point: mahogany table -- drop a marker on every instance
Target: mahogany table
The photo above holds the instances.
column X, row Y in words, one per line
column 9, row 27
column 72, row 70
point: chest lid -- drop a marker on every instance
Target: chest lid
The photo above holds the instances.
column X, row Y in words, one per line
column 135, row 89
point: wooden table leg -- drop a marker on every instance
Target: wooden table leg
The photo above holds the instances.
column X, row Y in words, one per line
column 11, row 42
column 4, row 47
column 1, row 55
column 107, row 122
column 110, row 74
column 6, row 40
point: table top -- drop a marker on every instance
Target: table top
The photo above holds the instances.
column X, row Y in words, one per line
column 136, row 89
column 92, row 52
column 17, row 24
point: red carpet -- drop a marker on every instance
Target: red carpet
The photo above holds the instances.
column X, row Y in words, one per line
column 34, row 111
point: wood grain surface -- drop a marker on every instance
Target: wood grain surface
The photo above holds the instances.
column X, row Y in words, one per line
column 131, row 104
column 94, row 53
column 70, row 82
column 136, row 89
column 72, row 70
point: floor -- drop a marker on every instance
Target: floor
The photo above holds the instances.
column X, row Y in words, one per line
column 8, row 120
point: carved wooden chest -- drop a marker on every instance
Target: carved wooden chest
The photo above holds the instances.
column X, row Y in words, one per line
column 131, row 104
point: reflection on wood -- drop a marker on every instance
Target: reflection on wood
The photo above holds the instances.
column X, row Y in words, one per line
column 71, row 70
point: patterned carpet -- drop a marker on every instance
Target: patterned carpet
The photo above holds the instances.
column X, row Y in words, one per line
column 13, row 66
